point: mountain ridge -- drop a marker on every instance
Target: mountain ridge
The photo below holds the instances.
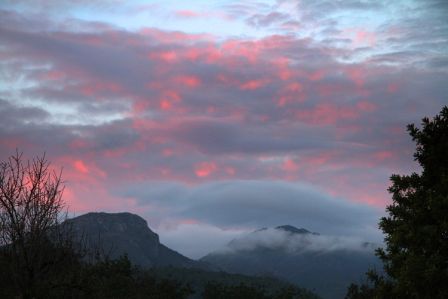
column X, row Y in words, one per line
column 324, row 264
column 294, row 230
column 125, row 233
column 296, row 255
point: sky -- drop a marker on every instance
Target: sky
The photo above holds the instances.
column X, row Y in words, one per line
column 211, row 119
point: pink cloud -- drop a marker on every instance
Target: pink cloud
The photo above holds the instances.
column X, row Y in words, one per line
column 230, row 171
column 356, row 75
column 188, row 13
column 205, row 169
column 366, row 106
column 253, row 84
column 316, row 75
column 327, row 114
column 365, row 37
column 166, row 104
column 383, row 155
column 392, row 87
column 188, row 80
column 54, row 75
column 290, row 166
column 94, row 88
column 166, row 56
column 81, row 167
column 175, row 37
column 294, row 87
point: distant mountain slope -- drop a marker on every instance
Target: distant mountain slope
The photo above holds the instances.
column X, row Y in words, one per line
column 325, row 265
column 122, row 233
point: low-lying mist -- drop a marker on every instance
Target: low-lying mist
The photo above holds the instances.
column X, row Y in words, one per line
column 297, row 243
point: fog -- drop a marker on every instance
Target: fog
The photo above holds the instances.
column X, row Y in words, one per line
column 292, row 242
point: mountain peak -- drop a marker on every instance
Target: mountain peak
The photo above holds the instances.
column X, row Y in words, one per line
column 293, row 229
column 115, row 216
column 126, row 233
column 120, row 217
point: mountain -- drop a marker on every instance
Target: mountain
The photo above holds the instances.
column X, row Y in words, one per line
column 323, row 264
column 294, row 230
column 125, row 233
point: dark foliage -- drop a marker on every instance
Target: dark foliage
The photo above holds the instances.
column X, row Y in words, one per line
column 363, row 291
column 104, row 279
column 119, row 279
column 241, row 291
column 416, row 254
column 214, row 290
column 205, row 283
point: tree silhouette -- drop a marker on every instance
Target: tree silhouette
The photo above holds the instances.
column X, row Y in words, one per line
column 33, row 246
column 416, row 254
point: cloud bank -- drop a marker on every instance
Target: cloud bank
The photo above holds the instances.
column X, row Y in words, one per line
column 225, row 210
column 276, row 239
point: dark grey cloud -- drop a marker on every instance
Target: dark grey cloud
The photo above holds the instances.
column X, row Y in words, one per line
column 12, row 115
column 30, row 130
column 224, row 137
column 258, row 204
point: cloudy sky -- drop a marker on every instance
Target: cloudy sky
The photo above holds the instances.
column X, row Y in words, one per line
column 214, row 118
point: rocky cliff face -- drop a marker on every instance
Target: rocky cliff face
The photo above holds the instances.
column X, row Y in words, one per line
column 126, row 233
